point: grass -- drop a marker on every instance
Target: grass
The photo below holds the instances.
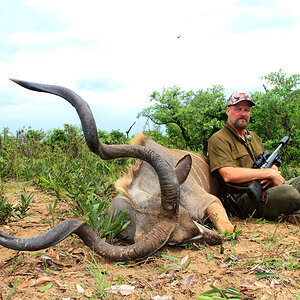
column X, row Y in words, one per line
column 51, row 207
column 183, row 263
column 18, row 211
column 227, row 293
column 6, row 210
column 21, row 210
column 233, row 236
column 102, row 278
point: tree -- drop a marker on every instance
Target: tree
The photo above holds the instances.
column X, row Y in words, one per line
column 276, row 112
column 189, row 117
column 169, row 110
column 57, row 137
column 112, row 138
column 75, row 140
column 29, row 141
column 208, row 115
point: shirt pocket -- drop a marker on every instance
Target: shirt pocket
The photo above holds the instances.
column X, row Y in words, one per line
column 242, row 159
column 258, row 150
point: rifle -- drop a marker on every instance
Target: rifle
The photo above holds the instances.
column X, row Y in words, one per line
column 264, row 161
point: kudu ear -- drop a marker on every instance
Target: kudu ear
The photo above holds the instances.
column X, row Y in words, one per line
column 182, row 168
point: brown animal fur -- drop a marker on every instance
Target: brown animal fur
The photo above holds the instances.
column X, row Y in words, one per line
column 199, row 183
column 124, row 183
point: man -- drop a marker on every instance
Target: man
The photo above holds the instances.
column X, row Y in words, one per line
column 232, row 152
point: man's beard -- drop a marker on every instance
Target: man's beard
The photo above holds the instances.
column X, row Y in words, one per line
column 241, row 126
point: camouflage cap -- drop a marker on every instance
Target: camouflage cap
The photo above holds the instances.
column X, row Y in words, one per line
column 237, row 97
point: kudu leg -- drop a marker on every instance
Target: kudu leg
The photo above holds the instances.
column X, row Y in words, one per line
column 218, row 216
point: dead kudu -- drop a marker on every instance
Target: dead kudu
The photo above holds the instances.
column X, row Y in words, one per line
column 164, row 194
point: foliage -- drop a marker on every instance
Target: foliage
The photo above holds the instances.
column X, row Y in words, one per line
column 169, row 109
column 57, row 138
column 233, row 236
column 21, row 210
column 28, row 141
column 101, row 278
column 277, row 114
column 112, row 138
column 158, row 136
column 5, row 210
column 69, row 139
column 51, row 209
column 18, row 211
column 224, row 294
column 190, row 117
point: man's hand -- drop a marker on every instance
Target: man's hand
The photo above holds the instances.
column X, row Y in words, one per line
column 275, row 177
column 267, row 183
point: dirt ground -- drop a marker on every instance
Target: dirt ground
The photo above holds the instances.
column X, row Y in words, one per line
column 264, row 263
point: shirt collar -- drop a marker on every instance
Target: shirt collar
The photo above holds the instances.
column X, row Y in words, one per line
column 247, row 134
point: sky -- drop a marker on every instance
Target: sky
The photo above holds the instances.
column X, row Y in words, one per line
column 115, row 53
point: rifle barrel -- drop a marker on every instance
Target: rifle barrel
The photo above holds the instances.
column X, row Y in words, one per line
column 269, row 162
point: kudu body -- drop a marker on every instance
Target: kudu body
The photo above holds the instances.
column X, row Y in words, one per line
column 161, row 211
column 139, row 194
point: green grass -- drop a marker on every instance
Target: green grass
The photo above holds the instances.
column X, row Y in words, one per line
column 18, row 211
column 101, row 277
column 215, row 294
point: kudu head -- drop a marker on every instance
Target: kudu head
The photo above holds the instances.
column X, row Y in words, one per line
column 167, row 228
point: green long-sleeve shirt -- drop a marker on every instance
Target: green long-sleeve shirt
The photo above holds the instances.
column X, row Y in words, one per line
column 227, row 149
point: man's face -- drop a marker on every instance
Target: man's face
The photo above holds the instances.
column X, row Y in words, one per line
column 239, row 115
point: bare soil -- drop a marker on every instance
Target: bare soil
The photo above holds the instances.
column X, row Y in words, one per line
column 263, row 249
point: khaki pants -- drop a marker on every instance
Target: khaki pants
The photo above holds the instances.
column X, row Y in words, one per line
column 280, row 200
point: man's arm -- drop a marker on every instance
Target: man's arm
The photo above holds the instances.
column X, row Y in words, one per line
column 241, row 175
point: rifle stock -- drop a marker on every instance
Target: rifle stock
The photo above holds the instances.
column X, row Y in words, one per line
column 254, row 191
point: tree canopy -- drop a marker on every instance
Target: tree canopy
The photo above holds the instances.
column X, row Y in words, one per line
column 189, row 117
column 277, row 113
